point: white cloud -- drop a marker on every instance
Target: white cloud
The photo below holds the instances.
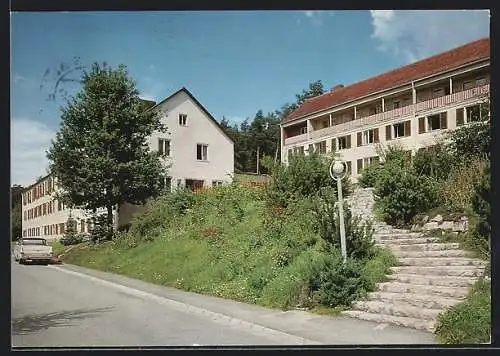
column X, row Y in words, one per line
column 30, row 140
column 309, row 13
column 415, row 34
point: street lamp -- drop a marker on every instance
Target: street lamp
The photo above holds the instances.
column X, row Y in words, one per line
column 338, row 171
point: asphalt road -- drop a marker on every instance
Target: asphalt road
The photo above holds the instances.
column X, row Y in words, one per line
column 54, row 306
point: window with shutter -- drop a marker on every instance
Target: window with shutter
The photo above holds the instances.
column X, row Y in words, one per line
column 407, row 128
column 334, row 144
column 443, row 120
column 349, row 169
column 421, row 125
column 359, row 139
column 348, row 141
column 388, row 133
column 375, row 136
column 460, row 117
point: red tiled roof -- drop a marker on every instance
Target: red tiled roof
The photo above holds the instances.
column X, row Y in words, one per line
column 454, row 58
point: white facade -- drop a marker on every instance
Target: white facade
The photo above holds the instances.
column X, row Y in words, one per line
column 189, row 125
column 436, row 98
column 43, row 216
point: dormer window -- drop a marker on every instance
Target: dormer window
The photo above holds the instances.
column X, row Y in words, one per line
column 183, row 119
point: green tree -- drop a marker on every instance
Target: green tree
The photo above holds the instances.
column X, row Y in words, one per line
column 100, row 154
column 16, row 211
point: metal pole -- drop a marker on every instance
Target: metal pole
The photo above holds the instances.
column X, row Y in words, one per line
column 341, row 218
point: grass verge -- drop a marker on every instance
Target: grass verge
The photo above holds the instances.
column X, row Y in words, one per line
column 226, row 242
column 468, row 322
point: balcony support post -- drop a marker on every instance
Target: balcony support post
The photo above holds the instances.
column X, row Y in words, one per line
column 383, row 105
column 309, row 129
column 355, row 113
column 451, row 86
column 414, row 97
column 330, row 117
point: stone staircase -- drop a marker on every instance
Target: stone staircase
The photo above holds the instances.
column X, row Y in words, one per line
column 431, row 276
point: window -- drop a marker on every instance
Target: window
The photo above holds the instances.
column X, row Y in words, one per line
column 320, row 147
column 373, row 111
column 166, row 183
column 82, row 225
column 25, row 215
column 179, row 182
column 59, row 205
column 344, row 142
column 216, row 183
column 396, row 104
column 164, row 147
column 44, row 209
column 436, row 122
column 61, row 228
column 311, row 148
column 468, row 85
column 202, row 152
column 183, row 119
column 401, row 129
column 460, row 117
column 289, row 153
column 481, row 81
column 367, row 137
column 365, row 162
column 473, row 113
column 437, row 92
column 303, row 130
column 299, row 150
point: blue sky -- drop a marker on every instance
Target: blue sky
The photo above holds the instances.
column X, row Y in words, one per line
column 235, row 63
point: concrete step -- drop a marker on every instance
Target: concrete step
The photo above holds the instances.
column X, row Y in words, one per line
column 458, row 271
column 417, row 300
column 441, row 261
column 408, row 241
column 427, row 247
column 394, row 236
column 439, row 253
column 396, row 309
column 442, row 281
column 443, row 291
column 413, row 323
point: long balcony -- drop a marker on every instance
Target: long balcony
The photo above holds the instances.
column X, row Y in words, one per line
column 418, row 108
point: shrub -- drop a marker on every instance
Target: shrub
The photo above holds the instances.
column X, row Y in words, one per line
column 378, row 267
column 458, row 190
column 481, row 201
column 436, row 163
column 470, row 141
column 99, row 230
column 369, row 176
column 341, row 283
column 72, row 239
column 359, row 236
column 304, row 176
column 401, row 194
column 468, row 322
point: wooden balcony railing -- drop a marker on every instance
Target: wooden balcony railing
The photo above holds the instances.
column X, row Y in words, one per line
column 418, row 108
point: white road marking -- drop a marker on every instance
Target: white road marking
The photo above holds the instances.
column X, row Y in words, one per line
column 190, row 309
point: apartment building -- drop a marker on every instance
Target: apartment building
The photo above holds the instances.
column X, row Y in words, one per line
column 196, row 149
column 43, row 215
column 410, row 106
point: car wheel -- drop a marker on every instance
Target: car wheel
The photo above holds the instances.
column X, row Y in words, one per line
column 21, row 261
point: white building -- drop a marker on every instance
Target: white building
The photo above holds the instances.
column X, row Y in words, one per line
column 199, row 152
column 410, row 106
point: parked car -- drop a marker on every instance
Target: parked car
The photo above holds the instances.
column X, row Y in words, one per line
column 32, row 250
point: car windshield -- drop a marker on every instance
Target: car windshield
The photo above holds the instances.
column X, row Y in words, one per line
column 35, row 242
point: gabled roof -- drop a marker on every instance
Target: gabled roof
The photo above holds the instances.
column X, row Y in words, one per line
column 449, row 60
column 183, row 89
